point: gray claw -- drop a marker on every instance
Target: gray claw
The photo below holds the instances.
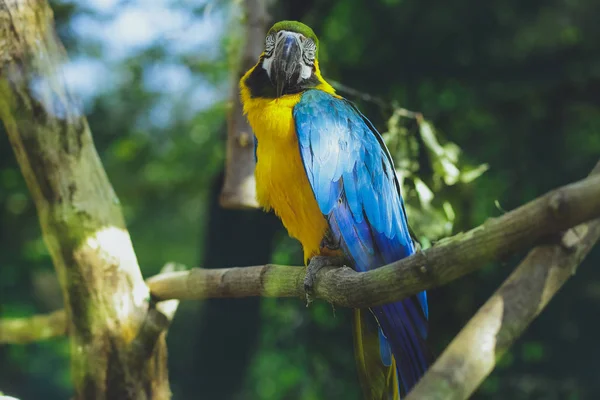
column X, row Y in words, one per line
column 315, row 264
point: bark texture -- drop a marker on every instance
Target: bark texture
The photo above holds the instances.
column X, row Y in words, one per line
column 473, row 353
column 449, row 259
column 107, row 305
column 239, row 188
column 117, row 331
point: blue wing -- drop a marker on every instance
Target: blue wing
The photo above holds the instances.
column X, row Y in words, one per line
column 354, row 183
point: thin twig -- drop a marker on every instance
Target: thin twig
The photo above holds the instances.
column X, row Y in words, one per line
column 383, row 104
column 340, row 87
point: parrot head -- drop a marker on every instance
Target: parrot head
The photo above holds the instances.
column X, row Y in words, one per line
column 290, row 55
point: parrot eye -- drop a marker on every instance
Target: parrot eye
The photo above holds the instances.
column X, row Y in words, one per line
column 309, row 50
column 269, row 45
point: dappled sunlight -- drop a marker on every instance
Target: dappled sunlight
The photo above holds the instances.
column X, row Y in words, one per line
column 123, row 32
column 114, row 246
column 504, row 108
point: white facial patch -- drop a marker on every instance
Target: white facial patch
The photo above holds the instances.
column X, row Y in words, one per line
column 307, row 47
column 267, row 61
column 305, row 72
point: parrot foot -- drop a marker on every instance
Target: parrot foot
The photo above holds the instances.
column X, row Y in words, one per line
column 315, row 264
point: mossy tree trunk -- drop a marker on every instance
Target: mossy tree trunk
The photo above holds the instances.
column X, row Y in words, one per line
column 117, row 340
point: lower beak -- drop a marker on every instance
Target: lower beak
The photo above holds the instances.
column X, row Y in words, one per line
column 286, row 66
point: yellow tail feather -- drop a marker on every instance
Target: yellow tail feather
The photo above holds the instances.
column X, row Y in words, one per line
column 378, row 381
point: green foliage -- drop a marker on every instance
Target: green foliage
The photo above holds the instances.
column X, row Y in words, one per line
column 427, row 170
column 303, row 352
column 532, row 352
column 509, row 84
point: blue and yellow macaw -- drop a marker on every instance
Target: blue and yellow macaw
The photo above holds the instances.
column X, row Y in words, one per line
column 326, row 172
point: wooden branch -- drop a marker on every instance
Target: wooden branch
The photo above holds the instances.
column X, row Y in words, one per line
column 472, row 355
column 33, row 329
column 153, row 329
column 239, row 188
column 47, row 326
column 449, row 259
column 105, row 296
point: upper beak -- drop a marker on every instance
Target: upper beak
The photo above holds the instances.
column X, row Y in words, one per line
column 286, row 66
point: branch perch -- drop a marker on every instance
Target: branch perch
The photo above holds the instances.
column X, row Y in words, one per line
column 452, row 258
column 449, row 259
column 33, row 329
column 117, row 335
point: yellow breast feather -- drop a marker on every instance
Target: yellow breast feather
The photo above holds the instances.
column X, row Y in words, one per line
column 281, row 181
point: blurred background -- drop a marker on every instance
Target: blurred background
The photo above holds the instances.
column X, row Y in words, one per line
column 515, row 85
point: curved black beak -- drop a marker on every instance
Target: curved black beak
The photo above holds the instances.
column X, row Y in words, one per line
column 286, row 66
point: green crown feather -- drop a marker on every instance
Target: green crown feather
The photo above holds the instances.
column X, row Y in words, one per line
column 298, row 27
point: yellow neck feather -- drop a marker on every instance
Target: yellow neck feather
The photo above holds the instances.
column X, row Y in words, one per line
column 281, row 181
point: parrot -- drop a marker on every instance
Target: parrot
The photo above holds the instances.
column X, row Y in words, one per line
column 325, row 171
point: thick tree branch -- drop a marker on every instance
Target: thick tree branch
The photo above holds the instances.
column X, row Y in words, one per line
column 473, row 353
column 33, row 329
column 105, row 296
column 153, row 329
column 449, row 259
column 239, row 188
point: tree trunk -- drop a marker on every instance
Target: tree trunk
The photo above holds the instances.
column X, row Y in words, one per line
column 117, row 341
column 225, row 336
column 239, row 188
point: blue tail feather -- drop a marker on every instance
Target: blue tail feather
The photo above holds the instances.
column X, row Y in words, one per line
column 403, row 324
column 384, row 349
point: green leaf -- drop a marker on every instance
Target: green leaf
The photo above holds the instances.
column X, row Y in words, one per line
column 470, row 174
column 532, row 352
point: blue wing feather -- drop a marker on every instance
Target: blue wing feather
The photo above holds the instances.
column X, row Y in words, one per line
column 384, row 349
column 354, row 182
